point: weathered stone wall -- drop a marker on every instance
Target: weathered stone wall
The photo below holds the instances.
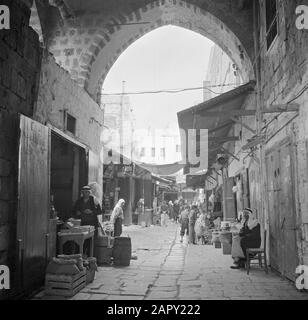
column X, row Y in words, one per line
column 19, row 70
column 88, row 45
column 284, row 74
column 59, row 93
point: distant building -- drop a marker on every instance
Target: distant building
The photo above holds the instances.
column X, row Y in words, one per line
column 158, row 146
column 117, row 111
column 221, row 71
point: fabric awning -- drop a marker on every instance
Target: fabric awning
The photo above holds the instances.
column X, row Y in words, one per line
column 143, row 168
column 162, row 170
column 219, row 123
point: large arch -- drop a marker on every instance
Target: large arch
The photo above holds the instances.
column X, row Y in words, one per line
column 89, row 47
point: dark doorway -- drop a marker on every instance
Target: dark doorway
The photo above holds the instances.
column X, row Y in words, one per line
column 68, row 174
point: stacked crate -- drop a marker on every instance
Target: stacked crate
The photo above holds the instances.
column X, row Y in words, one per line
column 65, row 276
column 65, row 285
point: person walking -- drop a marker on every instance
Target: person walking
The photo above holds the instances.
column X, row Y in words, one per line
column 117, row 218
column 164, row 214
column 171, row 211
column 140, row 211
column 193, row 215
column 200, row 228
column 176, row 209
column 184, row 221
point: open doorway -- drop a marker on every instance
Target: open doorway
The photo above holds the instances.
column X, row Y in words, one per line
column 68, row 173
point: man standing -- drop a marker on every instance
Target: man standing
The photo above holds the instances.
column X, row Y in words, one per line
column 184, row 221
column 87, row 209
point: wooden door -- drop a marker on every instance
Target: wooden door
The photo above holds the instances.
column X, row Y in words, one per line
column 33, row 201
column 228, row 200
column 282, row 214
column 287, row 212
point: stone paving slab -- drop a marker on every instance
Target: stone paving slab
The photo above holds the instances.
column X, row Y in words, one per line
column 166, row 269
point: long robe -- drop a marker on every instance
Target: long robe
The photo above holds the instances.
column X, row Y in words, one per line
column 250, row 238
column 191, row 228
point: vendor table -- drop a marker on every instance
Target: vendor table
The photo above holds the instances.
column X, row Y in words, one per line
column 78, row 238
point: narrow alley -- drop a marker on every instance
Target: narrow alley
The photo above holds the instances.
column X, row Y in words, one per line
column 132, row 131
column 169, row 270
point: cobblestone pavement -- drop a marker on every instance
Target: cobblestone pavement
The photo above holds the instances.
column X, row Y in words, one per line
column 169, row 270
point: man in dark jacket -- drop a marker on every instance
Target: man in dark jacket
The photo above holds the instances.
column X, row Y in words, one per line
column 87, row 209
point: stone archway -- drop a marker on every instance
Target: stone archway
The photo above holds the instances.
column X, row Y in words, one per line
column 89, row 48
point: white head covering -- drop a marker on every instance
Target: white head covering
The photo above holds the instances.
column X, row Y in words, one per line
column 120, row 202
column 252, row 221
column 117, row 211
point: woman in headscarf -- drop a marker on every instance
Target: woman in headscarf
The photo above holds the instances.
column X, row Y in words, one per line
column 117, row 218
column 250, row 237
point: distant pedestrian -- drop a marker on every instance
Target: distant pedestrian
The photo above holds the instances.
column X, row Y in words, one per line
column 164, row 209
column 201, row 228
column 184, row 221
column 176, row 209
column 171, row 211
column 193, row 215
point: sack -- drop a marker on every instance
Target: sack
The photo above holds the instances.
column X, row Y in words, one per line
column 236, row 250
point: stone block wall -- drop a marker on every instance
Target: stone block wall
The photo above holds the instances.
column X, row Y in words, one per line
column 59, row 93
column 19, row 71
column 89, row 45
column 284, row 75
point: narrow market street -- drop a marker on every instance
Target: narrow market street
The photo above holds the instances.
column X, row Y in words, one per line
column 169, row 270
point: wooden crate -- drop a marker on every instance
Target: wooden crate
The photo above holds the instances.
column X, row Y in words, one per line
column 65, row 285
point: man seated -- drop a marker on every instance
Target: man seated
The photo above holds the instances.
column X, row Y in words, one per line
column 249, row 237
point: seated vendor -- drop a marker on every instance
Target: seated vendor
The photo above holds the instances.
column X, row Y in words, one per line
column 249, row 237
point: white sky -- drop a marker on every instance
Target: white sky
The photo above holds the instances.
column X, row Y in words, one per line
column 167, row 58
